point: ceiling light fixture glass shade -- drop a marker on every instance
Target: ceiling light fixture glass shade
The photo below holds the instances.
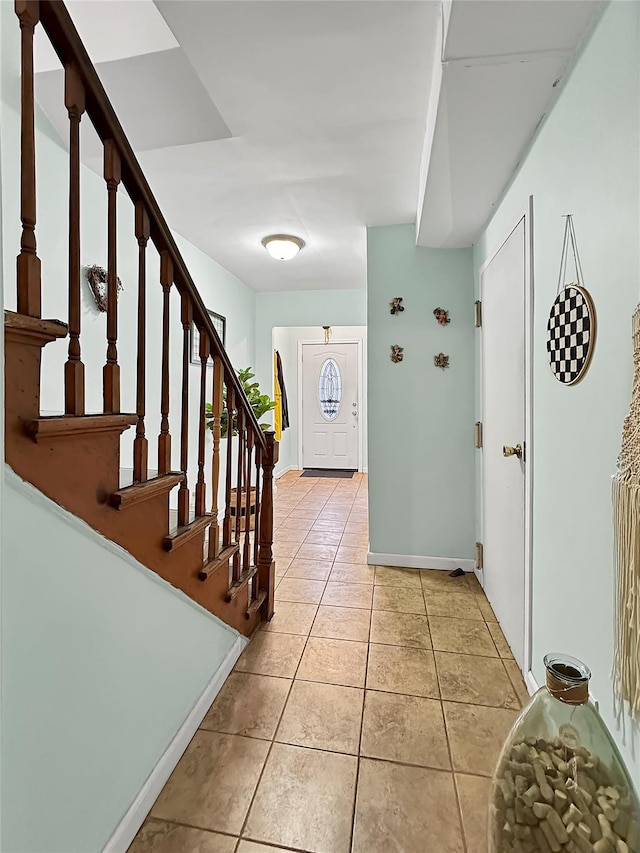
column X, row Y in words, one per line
column 282, row 247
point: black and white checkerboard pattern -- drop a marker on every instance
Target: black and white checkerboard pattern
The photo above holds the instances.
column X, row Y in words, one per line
column 569, row 336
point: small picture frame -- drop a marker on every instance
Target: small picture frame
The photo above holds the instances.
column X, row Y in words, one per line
column 219, row 324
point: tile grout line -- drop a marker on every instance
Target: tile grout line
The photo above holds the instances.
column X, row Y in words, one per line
column 446, row 733
column 359, row 756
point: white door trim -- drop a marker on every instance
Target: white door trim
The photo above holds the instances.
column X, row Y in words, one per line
column 527, row 215
column 360, row 374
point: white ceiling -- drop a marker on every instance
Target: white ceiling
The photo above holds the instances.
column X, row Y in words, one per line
column 309, row 117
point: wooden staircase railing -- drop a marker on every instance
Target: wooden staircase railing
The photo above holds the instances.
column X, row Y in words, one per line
column 233, row 573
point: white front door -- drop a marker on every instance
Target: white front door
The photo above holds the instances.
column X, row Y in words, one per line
column 330, row 405
column 503, row 281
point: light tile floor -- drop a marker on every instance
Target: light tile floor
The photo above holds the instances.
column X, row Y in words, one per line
column 365, row 717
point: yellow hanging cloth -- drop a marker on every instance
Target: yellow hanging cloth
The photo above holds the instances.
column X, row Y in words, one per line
column 277, row 412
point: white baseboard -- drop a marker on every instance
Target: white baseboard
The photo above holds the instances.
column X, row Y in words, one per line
column 409, row 561
column 531, row 683
column 126, row 830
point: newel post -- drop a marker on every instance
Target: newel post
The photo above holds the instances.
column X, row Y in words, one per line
column 266, row 563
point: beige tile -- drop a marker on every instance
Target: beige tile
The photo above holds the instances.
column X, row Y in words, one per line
column 473, row 792
column 329, row 524
column 304, row 800
column 322, row 716
column 352, row 555
column 291, row 617
column 465, row 636
column 282, row 564
column 357, row 527
column 314, row 570
column 405, row 809
column 272, row 654
column 324, row 553
column 292, row 523
column 485, row 608
column 391, row 576
column 252, row 847
column 400, row 629
column 352, row 573
column 348, row 595
column 355, row 540
column 398, row 599
column 500, row 640
column 295, row 537
column 157, row 836
column 462, row 605
column 408, row 729
column 248, row 705
column 334, row 662
column 440, row 580
column 396, row 669
column 515, row 676
column 476, row 735
column 213, row 783
column 342, row 623
column 304, row 511
column 284, row 549
column 478, row 680
column 323, row 537
column 300, row 590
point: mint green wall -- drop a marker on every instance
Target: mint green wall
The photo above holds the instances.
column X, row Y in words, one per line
column 584, row 161
column 421, row 463
column 101, row 663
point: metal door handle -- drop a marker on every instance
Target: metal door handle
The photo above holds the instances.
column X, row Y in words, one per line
column 507, row 450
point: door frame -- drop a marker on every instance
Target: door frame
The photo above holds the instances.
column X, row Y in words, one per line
column 527, row 216
column 360, row 375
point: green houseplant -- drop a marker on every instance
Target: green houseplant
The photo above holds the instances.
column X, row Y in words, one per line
column 260, row 403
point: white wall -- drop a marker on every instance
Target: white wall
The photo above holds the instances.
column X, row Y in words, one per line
column 285, row 340
column 102, row 661
column 584, row 161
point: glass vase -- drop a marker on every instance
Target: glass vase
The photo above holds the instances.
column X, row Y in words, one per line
column 560, row 783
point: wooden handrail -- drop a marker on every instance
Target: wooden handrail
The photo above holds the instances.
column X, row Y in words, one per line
column 68, row 45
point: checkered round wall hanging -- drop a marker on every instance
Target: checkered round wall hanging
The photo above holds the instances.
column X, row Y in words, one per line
column 571, row 329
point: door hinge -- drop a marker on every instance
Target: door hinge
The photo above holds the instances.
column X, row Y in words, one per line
column 478, row 313
column 478, row 433
column 479, row 555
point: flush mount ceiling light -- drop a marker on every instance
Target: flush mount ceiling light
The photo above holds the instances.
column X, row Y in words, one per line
column 282, row 247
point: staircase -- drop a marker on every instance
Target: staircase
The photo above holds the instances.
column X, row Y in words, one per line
column 211, row 553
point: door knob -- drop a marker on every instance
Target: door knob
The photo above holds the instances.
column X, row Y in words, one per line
column 512, row 451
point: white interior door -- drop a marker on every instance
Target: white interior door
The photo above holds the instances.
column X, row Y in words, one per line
column 503, row 284
column 330, row 405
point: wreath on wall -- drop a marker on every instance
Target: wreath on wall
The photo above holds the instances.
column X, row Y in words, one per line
column 97, row 278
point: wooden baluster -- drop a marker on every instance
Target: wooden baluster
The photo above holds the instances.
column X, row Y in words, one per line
column 246, row 557
column 217, row 404
column 201, row 486
column 28, row 262
column 140, row 444
column 239, row 482
column 186, row 316
column 226, row 525
column 256, row 526
column 266, row 564
column 164, row 439
column 111, row 372
column 74, row 100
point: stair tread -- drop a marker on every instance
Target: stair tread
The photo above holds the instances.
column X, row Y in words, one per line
column 241, row 583
column 187, row 532
column 223, row 557
column 33, row 327
column 130, row 495
column 56, row 425
column 256, row 605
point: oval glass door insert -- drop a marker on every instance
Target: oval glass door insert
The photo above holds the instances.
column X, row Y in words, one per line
column 330, row 389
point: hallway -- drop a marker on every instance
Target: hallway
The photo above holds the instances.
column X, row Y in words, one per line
column 366, row 717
